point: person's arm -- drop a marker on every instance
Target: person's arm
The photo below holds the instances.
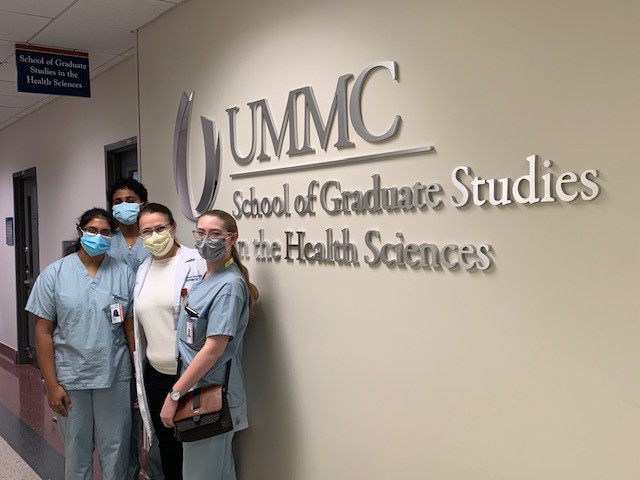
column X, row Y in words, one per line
column 205, row 359
column 129, row 329
column 56, row 395
column 130, row 336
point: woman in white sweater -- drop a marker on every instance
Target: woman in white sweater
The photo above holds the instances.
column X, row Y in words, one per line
column 161, row 282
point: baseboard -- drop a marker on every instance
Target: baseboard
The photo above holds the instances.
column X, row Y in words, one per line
column 9, row 353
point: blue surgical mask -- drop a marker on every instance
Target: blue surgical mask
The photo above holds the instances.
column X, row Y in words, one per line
column 126, row 213
column 95, row 245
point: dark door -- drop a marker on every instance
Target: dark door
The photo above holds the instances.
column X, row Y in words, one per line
column 25, row 189
column 121, row 161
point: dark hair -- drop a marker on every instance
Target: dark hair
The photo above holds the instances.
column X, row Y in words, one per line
column 158, row 208
column 130, row 184
column 89, row 215
column 230, row 225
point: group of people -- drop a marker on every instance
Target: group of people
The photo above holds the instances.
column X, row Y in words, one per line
column 121, row 307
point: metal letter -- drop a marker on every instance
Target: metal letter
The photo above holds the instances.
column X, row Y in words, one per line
column 355, row 104
column 339, row 105
column 277, row 139
column 181, row 156
column 232, row 134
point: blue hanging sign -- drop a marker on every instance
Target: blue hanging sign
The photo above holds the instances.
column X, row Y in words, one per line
column 52, row 71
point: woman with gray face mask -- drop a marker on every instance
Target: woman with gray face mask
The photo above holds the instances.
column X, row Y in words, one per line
column 210, row 340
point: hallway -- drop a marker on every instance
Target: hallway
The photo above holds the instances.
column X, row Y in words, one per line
column 27, row 426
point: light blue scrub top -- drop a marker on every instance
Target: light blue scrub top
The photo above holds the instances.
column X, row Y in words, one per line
column 133, row 256
column 89, row 350
column 223, row 305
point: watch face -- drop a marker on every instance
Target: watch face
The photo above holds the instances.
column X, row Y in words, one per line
column 175, row 395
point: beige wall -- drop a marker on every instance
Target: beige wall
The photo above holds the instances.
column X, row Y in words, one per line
column 65, row 141
column 526, row 371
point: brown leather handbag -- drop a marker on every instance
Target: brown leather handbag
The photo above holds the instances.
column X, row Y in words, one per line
column 203, row 412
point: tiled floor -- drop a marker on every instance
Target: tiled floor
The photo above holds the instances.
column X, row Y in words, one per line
column 12, row 465
column 26, row 423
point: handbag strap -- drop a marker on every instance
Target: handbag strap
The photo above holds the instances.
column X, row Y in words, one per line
column 196, row 392
column 226, row 375
column 196, row 399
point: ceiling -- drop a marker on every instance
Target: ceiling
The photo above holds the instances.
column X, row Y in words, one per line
column 104, row 28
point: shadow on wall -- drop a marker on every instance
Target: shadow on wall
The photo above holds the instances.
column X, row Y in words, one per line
column 269, row 448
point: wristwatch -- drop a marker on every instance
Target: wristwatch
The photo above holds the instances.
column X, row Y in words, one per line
column 175, row 395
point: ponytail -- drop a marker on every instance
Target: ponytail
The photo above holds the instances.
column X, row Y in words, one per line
column 253, row 290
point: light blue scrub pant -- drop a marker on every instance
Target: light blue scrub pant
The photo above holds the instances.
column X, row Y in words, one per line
column 209, row 459
column 100, row 417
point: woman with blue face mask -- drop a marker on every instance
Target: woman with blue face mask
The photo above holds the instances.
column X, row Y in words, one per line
column 210, row 342
column 84, row 336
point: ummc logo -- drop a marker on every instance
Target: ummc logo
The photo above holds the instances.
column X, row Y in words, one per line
column 346, row 110
column 343, row 107
column 181, row 163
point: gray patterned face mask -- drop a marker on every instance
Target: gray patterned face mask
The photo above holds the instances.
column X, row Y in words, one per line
column 211, row 249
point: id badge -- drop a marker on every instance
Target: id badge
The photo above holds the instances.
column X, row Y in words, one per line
column 190, row 328
column 117, row 313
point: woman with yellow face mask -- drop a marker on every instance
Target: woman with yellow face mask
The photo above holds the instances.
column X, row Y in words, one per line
column 161, row 282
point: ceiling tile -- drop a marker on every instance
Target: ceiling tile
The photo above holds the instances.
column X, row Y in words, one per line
column 8, row 88
column 104, row 28
column 23, row 113
column 8, row 112
column 127, row 14
column 16, row 27
column 17, row 101
column 97, row 60
column 45, row 99
column 6, row 49
column 11, row 88
column 49, row 8
column 8, row 72
column 65, row 33
column 113, row 62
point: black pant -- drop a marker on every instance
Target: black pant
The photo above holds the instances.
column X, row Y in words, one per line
column 158, row 385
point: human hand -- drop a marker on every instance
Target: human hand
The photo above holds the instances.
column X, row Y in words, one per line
column 168, row 412
column 58, row 399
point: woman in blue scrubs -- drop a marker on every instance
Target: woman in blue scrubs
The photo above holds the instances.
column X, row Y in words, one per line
column 222, row 300
column 84, row 336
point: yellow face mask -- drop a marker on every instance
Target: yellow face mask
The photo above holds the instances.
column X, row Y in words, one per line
column 159, row 244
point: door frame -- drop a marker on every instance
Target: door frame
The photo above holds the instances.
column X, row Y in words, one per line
column 111, row 166
column 19, row 215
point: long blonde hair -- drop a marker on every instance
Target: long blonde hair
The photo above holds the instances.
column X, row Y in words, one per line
column 230, row 225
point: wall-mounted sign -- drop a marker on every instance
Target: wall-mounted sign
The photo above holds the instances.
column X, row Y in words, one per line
column 8, row 221
column 539, row 184
column 52, row 71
